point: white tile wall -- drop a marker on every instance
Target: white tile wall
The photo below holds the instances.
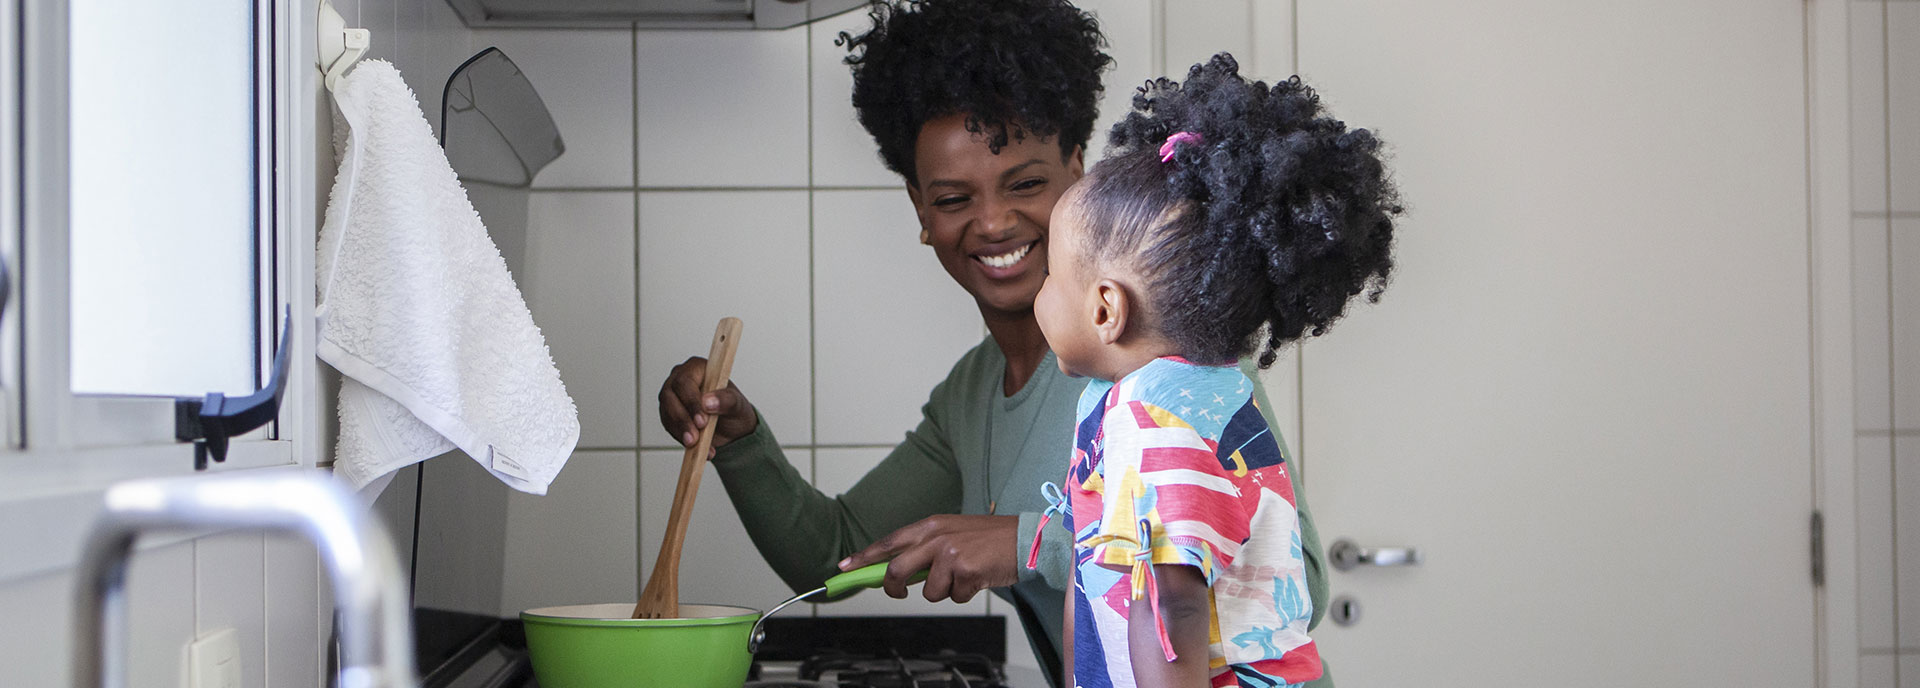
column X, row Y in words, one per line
column 1272, row 57
column 1197, row 29
column 889, row 322
column 718, row 563
column 1131, row 29
column 36, row 654
column 585, row 79
column 843, row 153
column 1906, row 546
column 835, row 472
column 1872, row 339
column 575, row 545
column 1906, row 320
column 230, row 591
column 1885, row 80
column 293, row 594
column 1876, row 671
column 1903, row 102
column 433, row 43
column 1867, row 45
column 722, row 108
column 579, row 283
column 1874, row 500
column 705, row 255
column 379, row 17
column 160, row 615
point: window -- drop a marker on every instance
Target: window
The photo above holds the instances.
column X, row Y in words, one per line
column 149, row 202
column 163, row 196
column 147, row 168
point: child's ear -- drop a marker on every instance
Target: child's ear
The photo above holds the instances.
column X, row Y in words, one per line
column 1113, row 309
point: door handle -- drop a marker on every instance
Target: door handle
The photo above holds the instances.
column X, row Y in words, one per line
column 1346, row 555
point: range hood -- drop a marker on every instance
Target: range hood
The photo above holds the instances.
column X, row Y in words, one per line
column 648, row 14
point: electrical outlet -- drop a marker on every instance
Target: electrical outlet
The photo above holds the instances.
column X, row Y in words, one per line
column 213, row 660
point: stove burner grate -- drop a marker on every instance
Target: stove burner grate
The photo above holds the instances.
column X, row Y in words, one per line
column 940, row 670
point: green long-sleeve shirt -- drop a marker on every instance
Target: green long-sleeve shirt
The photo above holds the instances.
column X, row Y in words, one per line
column 974, row 449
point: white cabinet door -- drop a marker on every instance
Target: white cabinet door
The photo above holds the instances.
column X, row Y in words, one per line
column 1585, row 395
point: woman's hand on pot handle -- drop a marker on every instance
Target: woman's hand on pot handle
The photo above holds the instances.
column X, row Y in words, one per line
column 963, row 555
column 683, row 411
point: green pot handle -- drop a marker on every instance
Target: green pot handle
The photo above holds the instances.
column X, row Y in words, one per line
column 869, row 576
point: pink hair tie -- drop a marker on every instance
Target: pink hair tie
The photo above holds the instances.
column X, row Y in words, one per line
column 1178, row 137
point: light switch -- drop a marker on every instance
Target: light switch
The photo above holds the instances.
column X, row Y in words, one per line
column 213, row 660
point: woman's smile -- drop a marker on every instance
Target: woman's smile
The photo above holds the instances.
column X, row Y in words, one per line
column 1001, row 263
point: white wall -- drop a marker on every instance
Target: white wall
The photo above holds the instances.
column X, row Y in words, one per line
column 1884, row 41
column 266, row 588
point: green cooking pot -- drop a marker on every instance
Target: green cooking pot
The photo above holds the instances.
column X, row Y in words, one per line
column 597, row 646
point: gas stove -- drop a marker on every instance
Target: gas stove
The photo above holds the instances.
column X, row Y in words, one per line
column 882, row 652
column 833, row 670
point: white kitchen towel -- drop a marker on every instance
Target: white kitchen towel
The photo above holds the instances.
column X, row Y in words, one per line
column 418, row 311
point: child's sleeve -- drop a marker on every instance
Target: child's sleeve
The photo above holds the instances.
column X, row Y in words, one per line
column 1168, row 499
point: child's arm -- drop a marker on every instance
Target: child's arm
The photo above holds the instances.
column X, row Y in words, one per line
column 1185, row 609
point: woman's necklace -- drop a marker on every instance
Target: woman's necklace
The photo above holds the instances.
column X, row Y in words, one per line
column 995, row 402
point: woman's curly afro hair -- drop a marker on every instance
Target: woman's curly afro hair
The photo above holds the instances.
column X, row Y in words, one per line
column 1267, row 224
column 1015, row 68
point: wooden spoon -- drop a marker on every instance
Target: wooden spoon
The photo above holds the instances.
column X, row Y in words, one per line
column 661, row 599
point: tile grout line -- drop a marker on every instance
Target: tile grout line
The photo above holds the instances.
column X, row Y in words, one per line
column 1299, row 347
column 813, row 339
column 1160, row 37
column 705, row 189
column 813, row 305
column 1294, row 5
column 639, row 383
column 1886, row 122
column 1886, row 215
column 1254, row 53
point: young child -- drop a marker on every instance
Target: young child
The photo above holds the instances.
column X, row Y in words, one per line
column 1229, row 217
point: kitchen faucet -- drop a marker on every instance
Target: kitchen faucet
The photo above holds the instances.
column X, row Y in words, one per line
column 375, row 628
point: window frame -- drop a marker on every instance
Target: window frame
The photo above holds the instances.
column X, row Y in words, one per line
column 11, row 307
column 50, row 485
column 54, row 416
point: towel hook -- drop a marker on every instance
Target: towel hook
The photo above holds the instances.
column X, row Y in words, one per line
column 339, row 46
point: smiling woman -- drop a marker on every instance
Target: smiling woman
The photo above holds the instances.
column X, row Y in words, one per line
column 986, row 215
column 984, row 108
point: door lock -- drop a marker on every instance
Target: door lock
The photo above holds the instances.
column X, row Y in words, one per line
column 1344, row 611
column 1346, row 555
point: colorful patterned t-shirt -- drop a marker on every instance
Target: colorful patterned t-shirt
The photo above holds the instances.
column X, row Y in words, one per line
column 1175, row 465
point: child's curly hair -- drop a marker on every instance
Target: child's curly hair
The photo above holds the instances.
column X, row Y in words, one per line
column 1269, row 222
column 1015, row 68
